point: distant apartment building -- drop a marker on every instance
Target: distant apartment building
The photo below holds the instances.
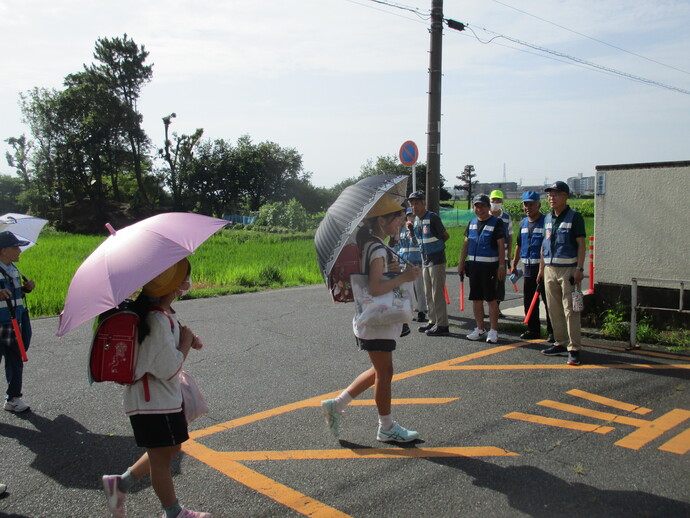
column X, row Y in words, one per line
column 581, row 184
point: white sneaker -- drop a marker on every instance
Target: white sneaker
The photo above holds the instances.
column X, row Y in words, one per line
column 476, row 334
column 492, row 337
column 15, row 405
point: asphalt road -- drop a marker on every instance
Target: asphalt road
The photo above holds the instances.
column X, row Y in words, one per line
column 506, row 431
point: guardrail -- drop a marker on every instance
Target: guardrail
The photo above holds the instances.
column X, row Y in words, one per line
column 634, row 306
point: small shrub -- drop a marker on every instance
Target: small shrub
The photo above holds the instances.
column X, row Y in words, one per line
column 614, row 324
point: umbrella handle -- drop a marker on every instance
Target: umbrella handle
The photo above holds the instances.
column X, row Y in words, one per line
column 408, row 263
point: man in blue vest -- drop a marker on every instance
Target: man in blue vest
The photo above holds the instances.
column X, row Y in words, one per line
column 408, row 248
column 432, row 236
column 561, row 268
column 483, row 260
column 11, row 295
column 528, row 249
column 496, row 198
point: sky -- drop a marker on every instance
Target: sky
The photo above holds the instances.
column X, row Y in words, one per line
column 345, row 81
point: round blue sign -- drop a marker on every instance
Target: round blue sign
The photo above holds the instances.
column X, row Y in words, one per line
column 409, row 153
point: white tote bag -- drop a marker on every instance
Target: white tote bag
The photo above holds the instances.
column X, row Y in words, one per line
column 394, row 307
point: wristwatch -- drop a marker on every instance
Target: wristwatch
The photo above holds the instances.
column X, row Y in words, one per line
column 580, row 268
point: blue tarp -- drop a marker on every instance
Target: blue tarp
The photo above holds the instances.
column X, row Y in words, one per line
column 236, row 218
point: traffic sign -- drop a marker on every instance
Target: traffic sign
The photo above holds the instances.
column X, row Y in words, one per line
column 409, row 153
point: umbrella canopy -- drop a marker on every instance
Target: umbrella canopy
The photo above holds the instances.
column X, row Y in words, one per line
column 26, row 228
column 130, row 258
column 347, row 212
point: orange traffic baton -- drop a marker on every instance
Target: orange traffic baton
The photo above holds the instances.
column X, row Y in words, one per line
column 462, row 293
column 17, row 331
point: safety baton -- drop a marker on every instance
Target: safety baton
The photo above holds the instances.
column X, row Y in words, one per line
column 462, row 293
column 445, row 292
column 531, row 306
column 17, row 331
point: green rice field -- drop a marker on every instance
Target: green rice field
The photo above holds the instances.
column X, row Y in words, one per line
column 231, row 261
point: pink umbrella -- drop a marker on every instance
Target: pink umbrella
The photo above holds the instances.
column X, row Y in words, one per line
column 130, row 258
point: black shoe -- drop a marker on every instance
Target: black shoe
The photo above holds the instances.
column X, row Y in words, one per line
column 554, row 350
column 573, row 358
column 405, row 330
column 423, row 329
column 550, row 339
column 438, row 331
column 529, row 335
column 421, row 317
column 501, row 315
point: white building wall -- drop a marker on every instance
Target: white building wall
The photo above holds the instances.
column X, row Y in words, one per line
column 642, row 223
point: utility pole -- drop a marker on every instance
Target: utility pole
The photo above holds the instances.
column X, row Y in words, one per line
column 433, row 146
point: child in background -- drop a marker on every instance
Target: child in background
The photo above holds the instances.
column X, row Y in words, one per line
column 158, row 423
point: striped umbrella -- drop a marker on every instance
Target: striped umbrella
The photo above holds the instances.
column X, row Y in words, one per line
column 347, row 212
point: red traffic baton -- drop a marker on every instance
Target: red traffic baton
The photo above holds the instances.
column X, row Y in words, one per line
column 462, row 293
column 531, row 306
column 445, row 292
column 17, row 331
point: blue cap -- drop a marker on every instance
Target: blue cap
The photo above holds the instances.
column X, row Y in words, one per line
column 408, row 210
column 530, row 196
column 8, row 239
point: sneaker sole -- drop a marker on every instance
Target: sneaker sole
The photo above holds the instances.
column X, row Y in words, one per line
column 397, row 440
column 480, row 337
column 15, row 411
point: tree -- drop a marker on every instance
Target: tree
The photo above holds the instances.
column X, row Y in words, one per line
column 19, row 158
column 467, row 184
column 121, row 68
column 178, row 156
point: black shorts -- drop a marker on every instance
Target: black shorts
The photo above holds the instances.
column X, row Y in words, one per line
column 483, row 280
column 158, row 430
column 378, row 344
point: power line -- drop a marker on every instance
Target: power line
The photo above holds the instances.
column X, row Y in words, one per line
column 575, row 59
column 422, row 14
column 592, row 38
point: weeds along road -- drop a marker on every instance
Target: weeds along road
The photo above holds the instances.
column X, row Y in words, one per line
column 506, row 431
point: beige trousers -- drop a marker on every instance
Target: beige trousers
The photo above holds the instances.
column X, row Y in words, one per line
column 565, row 321
column 434, row 282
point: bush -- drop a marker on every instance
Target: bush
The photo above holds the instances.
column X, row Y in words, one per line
column 290, row 216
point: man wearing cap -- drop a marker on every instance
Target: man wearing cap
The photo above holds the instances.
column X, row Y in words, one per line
column 483, row 260
column 496, row 197
column 528, row 249
column 11, row 292
column 562, row 267
column 432, row 236
column 408, row 248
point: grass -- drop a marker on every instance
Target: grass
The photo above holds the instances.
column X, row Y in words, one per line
column 228, row 262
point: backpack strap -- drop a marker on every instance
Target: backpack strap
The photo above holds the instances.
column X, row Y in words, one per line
column 373, row 248
column 145, row 377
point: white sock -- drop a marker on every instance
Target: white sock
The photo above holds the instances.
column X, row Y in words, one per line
column 342, row 401
column 386, row 421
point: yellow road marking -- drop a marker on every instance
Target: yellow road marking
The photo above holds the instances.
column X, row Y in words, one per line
column 367, row 453
column 640, row 352
column 609, row 402
column 653, row 429
column 630, row 366
column 260, row 483
column 680, row 444
column 596, row 414
column 560, row 423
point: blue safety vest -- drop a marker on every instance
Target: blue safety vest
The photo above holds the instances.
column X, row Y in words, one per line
column 429, row 244
column 530, row 246
column 479, row 247
column 15, row 287
column 558, row 248
column 408, row 247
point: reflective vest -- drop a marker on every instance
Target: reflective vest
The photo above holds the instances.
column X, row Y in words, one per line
column 408, row 248
column 15, row 287
column 559, row 249
column 479, row 247
column 530, row 247
column 429, row 244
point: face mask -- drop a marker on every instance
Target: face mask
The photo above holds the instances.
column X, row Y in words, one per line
column 184, row 292
column 496, row 206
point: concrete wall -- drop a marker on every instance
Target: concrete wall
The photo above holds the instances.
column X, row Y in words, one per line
column 642, row 223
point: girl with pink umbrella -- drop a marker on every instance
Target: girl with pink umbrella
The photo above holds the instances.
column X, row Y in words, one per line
column 158, row 421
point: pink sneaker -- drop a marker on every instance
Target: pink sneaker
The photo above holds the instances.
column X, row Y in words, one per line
column 113, row 495
column 186, row 513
